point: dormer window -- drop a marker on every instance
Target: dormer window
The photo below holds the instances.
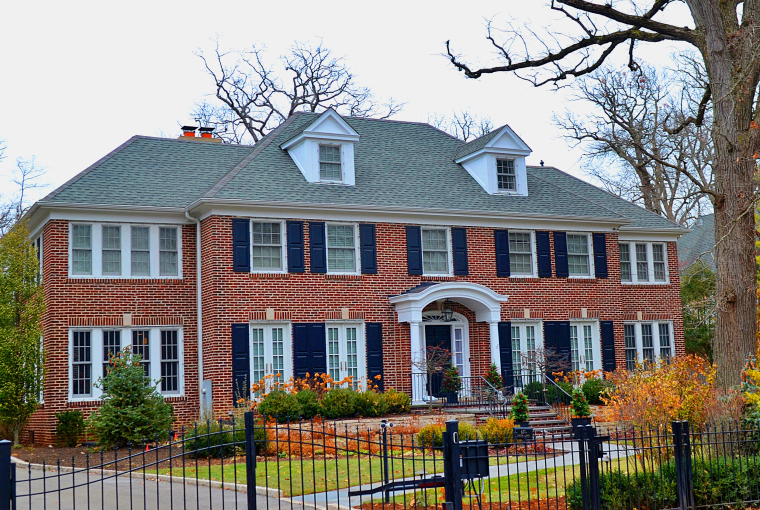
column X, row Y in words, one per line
column 505, row 174
column 330, row 167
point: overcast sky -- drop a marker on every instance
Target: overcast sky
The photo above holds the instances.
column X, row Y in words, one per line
column 80, row 78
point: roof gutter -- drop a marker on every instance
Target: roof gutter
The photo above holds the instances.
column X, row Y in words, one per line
column 199, row 310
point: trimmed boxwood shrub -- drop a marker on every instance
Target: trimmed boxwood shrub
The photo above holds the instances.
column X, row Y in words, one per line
column 553, row 394
column 309, row 402
column 339, row 403
column 281, row 406
column 70, row 427
column 210, row 439
column 431, row 436
column 594, row 390
column 534, row 391
column 497, row 431
column 397, row 402
column 369, row 404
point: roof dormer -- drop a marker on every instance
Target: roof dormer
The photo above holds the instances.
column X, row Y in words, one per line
column 324, row 150
column 497, row 162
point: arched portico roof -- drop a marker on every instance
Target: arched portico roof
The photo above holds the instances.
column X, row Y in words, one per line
column 480, row 299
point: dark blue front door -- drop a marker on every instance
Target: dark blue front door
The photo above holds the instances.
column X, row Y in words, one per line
column 437, row 336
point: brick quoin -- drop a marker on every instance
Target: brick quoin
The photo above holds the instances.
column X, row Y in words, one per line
column 230, row 297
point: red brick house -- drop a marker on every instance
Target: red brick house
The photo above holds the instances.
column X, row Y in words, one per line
column 340, row 245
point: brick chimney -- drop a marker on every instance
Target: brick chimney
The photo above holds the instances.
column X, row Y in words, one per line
column 206, row 134
column 188, row 131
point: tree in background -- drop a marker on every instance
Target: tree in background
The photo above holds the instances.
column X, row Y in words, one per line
column 21, row 309
column 726, row 35
column 628, row 145
column 463, row 125
column 698, row 305
column 252, row 98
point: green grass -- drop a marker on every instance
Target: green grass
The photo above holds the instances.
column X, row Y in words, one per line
column 295, row 477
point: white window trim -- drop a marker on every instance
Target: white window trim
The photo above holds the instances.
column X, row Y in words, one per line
column 533, row 254
column 96, row 236
column 591, row 268
column 283, row 246
column 39, row 245
column 361, row 347
column 287, row 353
column 342, row 164
column 655, row 338
column 596, row 344
column 357, row 250
column 650, row 263
column 96, row 354
column 539, row 331
column 500, row 191
column 449, row 251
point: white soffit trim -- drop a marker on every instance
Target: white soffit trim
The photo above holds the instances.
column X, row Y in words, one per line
column 483, row 301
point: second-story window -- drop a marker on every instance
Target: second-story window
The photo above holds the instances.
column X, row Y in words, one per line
column 111, row 250
column 505, row 174
column 168, row 252
column 140, row 251
column 578, row 255
column 81, row 249
column 643, row 263
column 330, row 168
column 341, row 249
column 435, row 251
column 267, row 246
column 520, row 254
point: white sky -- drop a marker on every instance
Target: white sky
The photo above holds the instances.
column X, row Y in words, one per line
column 80, row 78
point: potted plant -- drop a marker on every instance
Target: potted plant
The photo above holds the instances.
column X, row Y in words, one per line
column 519, row 411
column 581, row 409
column 493, row 378
column 451, row 385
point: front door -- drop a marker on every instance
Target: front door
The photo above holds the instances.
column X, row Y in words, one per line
column 437, row 336
column 345, row 354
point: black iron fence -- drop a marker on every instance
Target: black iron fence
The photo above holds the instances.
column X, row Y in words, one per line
column 373, row 464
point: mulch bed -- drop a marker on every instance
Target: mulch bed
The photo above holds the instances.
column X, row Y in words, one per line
column 542, row 504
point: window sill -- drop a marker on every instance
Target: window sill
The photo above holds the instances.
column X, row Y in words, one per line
column 173, row 280
column 99, row 402
column 582, row 279
column 269, row 275
column 343, row 276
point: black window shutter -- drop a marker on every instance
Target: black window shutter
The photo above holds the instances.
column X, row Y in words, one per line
column 502, row 252
column 459, row 248
column 241, row 245
column 295, row 247
column 544, row 251
column 241, row 365
column 600, row 255
column 317, row 348
column 317, row 247
column 368, row 248
column 550, row 339
column 560, row 255
column 505, row 354
column 557, row 338
column 414, row 249
column 375, row 353
column 608, row 346
column 300, row 350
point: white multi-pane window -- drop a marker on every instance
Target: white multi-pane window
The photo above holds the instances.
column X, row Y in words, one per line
column 124, row 251
column 457, row 350
column 38, row 249
column 578, row 255
column 81, row 249
column 140, row 252
column 642, row 262
column 345, row 353
column 521, row 255
column 342, row 248
column 268, row 252
column 91, row 350
column 330, row 167
column 270, row 354
column 505, row 174
column 435, row 251
column 648, row 342
column 526, row 349
column 585, row 349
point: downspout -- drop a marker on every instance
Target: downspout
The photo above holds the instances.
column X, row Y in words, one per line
column 199, row 306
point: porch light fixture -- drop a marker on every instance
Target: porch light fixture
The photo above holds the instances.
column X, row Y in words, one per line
column 447, row 312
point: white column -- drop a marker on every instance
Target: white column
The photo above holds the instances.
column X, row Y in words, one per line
column 495, row 355
column 418, row 352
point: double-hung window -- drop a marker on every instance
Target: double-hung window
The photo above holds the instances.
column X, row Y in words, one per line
column 342, row 250
column 168, row 254
column 578, row 258
column 267, row 238
column 111, row 254
column 647, row 342
column 270, row 354
column 81, row 249
column 345, row 353
column 140, row 251
column 521, row 254
column 330, row 167
column 435, row 251
column 642, row 262
column 91, row 351
column 505, row 174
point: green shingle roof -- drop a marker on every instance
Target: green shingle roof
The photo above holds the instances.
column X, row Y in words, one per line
column 699, row 243
column 398, row 164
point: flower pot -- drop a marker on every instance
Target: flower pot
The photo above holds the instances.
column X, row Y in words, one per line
column 525, row 423
column 452, row 397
